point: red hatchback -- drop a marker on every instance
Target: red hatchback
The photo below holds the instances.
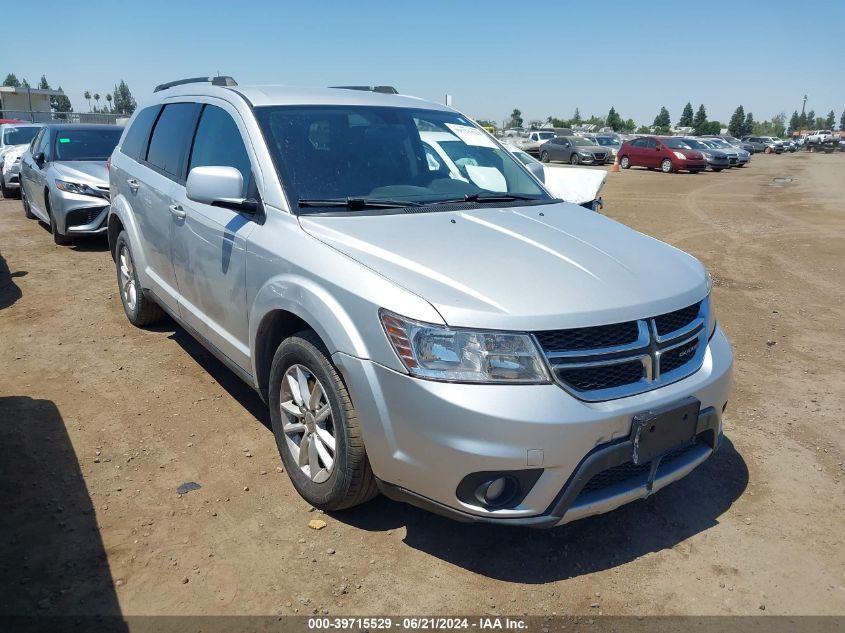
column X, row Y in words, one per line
column 667, row 153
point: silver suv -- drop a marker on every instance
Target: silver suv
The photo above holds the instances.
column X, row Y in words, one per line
column 454, row 338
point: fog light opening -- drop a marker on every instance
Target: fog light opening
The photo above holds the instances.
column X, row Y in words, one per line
column 497, row 492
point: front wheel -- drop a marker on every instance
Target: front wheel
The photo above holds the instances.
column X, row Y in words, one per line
column 666, row 166
column 139, row 309
column 27, row 211
column 625, row 162
column 574, row 159
column 544, row 156
column 316, row 426
column 58, row 237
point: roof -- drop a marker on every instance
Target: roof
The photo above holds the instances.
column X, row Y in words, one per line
column 289, row 95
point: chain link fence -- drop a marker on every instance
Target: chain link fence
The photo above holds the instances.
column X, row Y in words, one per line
column 64, row 117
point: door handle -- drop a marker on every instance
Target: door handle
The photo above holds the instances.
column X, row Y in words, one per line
column 133, row 184
column 178, row 212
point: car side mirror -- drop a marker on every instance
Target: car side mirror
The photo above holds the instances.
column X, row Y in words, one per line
column 39, row 158
column 218, row 186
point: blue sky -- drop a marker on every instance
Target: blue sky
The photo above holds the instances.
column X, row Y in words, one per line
column 546, row 59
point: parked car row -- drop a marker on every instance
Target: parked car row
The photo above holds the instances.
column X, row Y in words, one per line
column 678, row 153
column 396, row 286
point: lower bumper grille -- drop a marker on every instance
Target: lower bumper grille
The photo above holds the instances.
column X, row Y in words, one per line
column 82, row 217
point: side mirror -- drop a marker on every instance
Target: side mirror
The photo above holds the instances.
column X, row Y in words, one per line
column 218, row 186
column 39, row 158
column 538, row 171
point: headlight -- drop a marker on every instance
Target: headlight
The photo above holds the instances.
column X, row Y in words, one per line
column 679, row 155
column 707, row 155
column 72, row 187
column 711, row 309
column 438, row 352
column 587, row 154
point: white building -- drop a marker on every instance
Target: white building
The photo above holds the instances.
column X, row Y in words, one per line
column 18, row 102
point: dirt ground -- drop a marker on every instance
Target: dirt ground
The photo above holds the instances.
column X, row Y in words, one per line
column 100, row 422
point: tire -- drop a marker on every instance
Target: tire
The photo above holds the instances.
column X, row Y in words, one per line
column 574, row 159
column 544, row 157
column 740, row 166
column 625, row 162
column 666, row 166
column 26, row 210
column 717, row 169
column 348, row 481
column 59, row 238
column 139, row 309
column 8, row 193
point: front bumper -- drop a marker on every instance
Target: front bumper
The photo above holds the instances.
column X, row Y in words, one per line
column 424, row 437
column 690, row 164
column 80, row 215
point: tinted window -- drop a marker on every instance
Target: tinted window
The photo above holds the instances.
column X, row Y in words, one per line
column 640, row 142
column 135, row 143
column 43, row 144
column 219, row 143
column 171, row 137
column 86, row 143
column 19, row 135
column 650, row 142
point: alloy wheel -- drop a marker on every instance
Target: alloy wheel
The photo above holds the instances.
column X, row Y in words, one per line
column 127, row 279
column 308, row 423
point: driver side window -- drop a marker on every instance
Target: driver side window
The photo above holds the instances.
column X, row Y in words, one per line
column 219, row 143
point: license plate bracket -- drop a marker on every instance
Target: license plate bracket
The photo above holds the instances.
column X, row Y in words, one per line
column 659, row 431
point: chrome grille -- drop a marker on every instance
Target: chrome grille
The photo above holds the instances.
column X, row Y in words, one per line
column 600, row 156
column 622, row 359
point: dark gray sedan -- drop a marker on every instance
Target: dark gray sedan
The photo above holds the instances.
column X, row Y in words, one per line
column 575, row 150
column 717, row 160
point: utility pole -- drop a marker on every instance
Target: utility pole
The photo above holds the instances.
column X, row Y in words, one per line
column 803, row 105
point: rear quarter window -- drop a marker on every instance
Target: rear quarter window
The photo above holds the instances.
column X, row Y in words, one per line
column 135, row 143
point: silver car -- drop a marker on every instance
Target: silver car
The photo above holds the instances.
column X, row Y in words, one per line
column 470, row 345
column 737, row 156
column 64, row 179
column 575, row 150
column 13, row 136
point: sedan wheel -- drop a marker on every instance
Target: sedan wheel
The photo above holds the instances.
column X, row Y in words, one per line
column 544, row 156
column 625, row 163
column 666, row 166
column 574, row 159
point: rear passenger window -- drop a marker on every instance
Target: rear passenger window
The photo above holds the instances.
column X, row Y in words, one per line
column 171, row 138
column 135, row 143
column 219, row 143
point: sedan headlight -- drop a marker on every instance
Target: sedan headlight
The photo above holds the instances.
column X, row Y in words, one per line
column 438, row 352
column 587, row 154
column 707, row 155
column 679, row 155
column 73, row 187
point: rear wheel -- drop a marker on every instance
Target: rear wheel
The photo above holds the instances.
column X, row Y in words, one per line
column 544, row 156
column 316, row 426
column 625, row 162
column 26, row 210
column 666, row 166
column 7, row 191
column 574, row 159
column 139, row 309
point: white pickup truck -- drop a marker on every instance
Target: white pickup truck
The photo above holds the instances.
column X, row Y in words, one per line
column 821, row 140
column 532, row 141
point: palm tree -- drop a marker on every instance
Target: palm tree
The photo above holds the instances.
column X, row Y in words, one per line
column 97, row 99
column 108, row 98
column 87, row 95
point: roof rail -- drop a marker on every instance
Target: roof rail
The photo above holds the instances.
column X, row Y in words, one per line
column 388, row 90
column 222, row 80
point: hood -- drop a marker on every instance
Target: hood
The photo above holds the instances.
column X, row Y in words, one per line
column 87, row 172
column 576, row 184
column 523, row 268
column 691, row 153
column 11, row 153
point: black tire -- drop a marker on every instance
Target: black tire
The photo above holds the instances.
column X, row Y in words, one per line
column 8, row 193
column 145, row 311
column 350, row 481
column 574, row 159
column 625, row 162
column 667, row 169
column 741, row 165
column 544, row 157
column 59, row 238
column 717, row 169
column 26, row 210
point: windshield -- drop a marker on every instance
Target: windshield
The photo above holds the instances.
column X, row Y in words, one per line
column 695, row 144
column 608, row 141
column 545, row 136
column 387, row 153
column 19, row 135
column 86, row 143
column 676, row 143
column 577, row 140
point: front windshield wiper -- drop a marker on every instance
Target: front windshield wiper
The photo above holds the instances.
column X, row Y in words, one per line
column 356, row 204
column 493, row 197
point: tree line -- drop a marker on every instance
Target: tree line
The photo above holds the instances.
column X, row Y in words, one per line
column 741, row 123
column 120, row 101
